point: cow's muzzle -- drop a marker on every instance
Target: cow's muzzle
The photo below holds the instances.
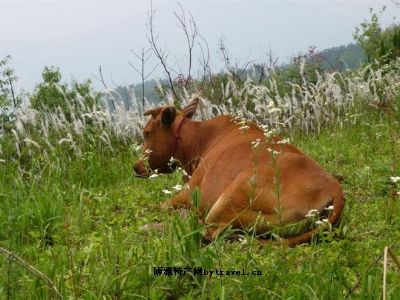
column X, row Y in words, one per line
column 140, row 169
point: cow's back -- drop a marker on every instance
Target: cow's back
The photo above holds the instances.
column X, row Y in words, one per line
column 227, row 154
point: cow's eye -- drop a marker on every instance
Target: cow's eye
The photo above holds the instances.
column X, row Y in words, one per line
column 146, row 133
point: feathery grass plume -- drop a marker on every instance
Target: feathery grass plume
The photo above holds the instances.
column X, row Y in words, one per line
column 29, row 141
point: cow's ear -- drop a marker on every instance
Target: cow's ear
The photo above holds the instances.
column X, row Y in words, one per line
column 153, row 112
column 190, row 109
column 168, row 115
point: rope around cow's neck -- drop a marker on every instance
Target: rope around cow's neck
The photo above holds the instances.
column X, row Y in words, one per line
column 178, row 135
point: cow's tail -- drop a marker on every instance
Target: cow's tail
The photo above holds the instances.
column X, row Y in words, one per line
column 338, row 204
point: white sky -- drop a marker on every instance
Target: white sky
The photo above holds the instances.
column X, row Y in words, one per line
column 80, row 35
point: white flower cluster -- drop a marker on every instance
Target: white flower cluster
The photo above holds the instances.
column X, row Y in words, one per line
column 312, row 213
column 319, row 222
column 329, row 208
column 395, row 179
column 176, row 188
column 154, row 175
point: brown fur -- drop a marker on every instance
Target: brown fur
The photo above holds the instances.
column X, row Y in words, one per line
column 238, row 184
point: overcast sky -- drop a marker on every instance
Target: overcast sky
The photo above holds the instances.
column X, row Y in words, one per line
column 79, row 35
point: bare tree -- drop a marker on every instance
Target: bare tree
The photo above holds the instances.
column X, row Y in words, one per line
column 266, row 67
column 161, row 54
column 143, row 57
column 189, row 27
column 101, row 79
column 234, row 69
column 204, row 62
column 187, row 24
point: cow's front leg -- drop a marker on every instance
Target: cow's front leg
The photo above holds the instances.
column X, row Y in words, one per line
column 183, row 198
column 180, row 200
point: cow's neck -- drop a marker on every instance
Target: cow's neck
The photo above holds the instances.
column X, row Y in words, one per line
column 197, row 138
column 189, row 149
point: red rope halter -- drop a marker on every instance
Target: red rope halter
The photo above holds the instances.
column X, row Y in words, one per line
column 178, row 135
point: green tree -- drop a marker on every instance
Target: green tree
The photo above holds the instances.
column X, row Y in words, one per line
column 53, row 94
column 382, row 45
column 8, row 97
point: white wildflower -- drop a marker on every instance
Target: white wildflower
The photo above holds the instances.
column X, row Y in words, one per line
column 256, row 143
column 243, row 241
column 395, row 179
column 330, row 207
column 274, row 152
column 284, row 141
column 154, row 175
column 136, row 147
column 318, row 222
column 184, row 173
column 167, row 192
column 312, row 213
column 253, row 180
column 268, row 134
column 172, row 160
column 325, row 220
column 274, row 110
column 177, row 187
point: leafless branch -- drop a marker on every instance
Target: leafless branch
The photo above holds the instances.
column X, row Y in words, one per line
column 234, row 69
column 266, row 67
column 158, row 52
column 101, row 79
column 143, row 57
column 189, row 28
column 205, row 61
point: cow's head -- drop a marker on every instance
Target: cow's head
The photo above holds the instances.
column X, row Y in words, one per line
column 159, row 137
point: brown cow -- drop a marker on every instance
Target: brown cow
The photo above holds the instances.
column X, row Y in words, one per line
column 242, row 184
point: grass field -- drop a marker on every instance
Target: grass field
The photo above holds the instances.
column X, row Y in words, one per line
column 78, row 220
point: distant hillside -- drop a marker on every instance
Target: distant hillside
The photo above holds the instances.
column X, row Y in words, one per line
column 149, row 91
column 334, row 59
column 343, row 57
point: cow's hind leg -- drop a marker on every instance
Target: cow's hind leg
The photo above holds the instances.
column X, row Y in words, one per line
column 233, row 208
